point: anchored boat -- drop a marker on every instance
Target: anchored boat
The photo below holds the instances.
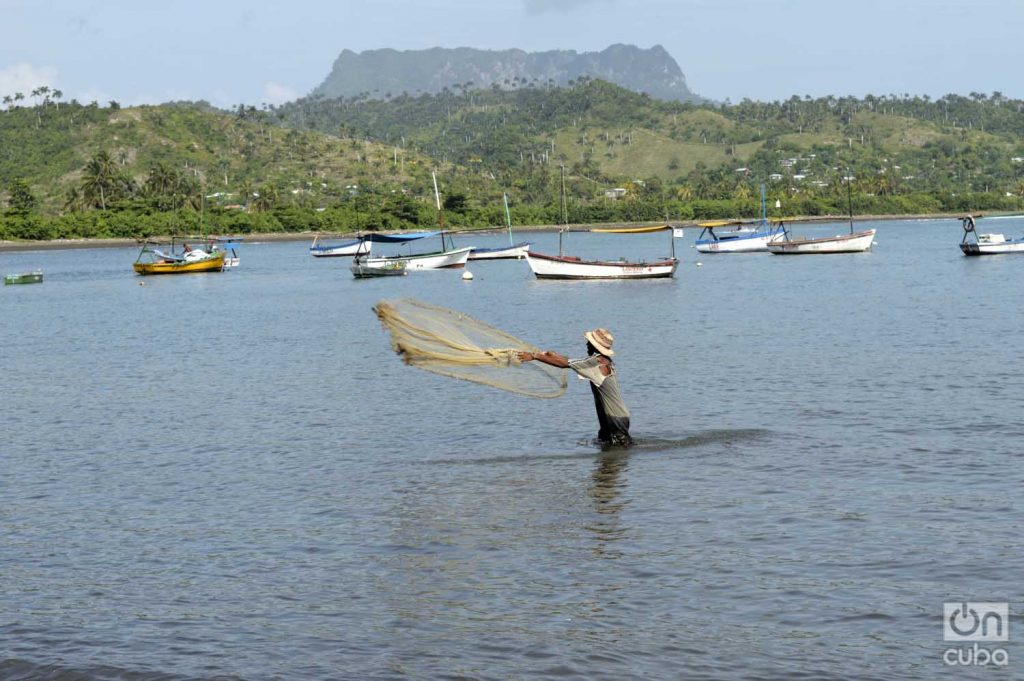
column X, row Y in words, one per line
column 987, row 244
column 177, row 257
column 34, row 277
column 513, row 250
column 854, row 242
column 348, row 248
column 570, row 267
column 733, row 236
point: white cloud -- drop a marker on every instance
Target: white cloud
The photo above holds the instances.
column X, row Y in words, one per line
column 275, row 93
column 24, row 78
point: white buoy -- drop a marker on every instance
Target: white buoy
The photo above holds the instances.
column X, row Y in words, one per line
column 467, row 276
column 700, row 264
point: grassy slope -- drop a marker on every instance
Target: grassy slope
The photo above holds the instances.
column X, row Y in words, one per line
column 221, row 149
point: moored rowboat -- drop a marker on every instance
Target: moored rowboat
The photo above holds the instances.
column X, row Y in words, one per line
column 568, row 267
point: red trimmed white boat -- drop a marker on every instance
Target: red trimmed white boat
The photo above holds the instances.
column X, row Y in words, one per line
column 569, row 267
column 855, row 242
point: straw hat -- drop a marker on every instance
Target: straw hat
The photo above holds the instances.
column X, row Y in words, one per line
column 602, row 340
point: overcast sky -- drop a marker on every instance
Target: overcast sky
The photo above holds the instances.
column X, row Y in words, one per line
column 228, row 51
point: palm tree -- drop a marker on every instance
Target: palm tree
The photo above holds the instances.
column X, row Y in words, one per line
column 99, row 179
column 73, row 200
column 57, row 94
column 7, row 101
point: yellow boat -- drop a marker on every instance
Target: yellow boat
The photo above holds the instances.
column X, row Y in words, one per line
column 629, row 230
column 154, row 261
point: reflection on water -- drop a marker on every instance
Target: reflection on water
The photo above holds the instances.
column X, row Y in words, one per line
column 606, row 490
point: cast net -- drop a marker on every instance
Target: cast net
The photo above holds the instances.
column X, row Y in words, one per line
column 453, row 344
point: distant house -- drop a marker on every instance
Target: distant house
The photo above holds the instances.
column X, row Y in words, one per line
column 775, row 177
column 799, row 178
column 614, row 194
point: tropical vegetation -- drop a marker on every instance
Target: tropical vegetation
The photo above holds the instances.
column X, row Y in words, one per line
column 70, row 170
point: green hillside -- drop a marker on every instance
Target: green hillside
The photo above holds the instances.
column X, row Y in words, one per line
column 68, row 169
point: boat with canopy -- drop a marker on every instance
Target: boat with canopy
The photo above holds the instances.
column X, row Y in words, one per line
column 735, row 236
column 177, row 257
column 446, row 258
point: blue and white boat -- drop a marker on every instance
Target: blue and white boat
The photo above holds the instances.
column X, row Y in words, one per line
column 731, row 236
column 987, row 244
column 354, row 247
column 513, row 250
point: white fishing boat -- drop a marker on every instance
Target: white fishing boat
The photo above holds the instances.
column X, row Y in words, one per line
column 570, row 267
column 987, row 244
column 348, row 248
column 448, row 257
column 513, row 250
column 731, row 236
column 519, row 250
column 854, row 242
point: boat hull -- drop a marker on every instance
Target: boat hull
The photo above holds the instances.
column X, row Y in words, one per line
column 507, row 253
column 992, row 249
column 24, row 278
column 391, row 269
column 858, row 242
column 426, row 261
column 357, row 247
column 214, row 263
column 559, row 267
column 756, row 242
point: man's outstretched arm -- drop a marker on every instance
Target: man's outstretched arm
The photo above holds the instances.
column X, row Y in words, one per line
column 547, row 357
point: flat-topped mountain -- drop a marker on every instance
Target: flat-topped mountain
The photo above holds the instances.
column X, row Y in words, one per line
column 378, row 74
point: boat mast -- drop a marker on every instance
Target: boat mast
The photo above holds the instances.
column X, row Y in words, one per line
column 440, row 214
column 508, row 218
column 849, row 197
column 764, row 209
column 565, row 214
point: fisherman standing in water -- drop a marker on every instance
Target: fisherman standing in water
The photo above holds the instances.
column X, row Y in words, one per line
column 597, row 367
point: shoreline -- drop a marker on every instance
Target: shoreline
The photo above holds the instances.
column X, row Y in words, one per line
column 70, row 244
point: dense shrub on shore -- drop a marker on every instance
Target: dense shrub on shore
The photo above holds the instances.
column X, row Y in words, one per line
column 128, row 221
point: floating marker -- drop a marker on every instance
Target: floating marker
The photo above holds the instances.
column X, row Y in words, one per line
column 467, row 276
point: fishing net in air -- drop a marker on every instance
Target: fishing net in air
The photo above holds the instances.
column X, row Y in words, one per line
column 453, row 344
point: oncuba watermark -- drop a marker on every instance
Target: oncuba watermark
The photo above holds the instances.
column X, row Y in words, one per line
column 976, row 623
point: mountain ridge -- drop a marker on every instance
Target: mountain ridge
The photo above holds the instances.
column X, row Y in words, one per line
column 380, row 73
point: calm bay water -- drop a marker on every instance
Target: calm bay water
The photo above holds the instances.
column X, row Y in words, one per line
column 231, row 475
